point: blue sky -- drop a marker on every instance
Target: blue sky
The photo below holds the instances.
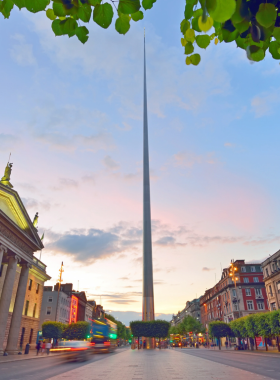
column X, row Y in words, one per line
column 72, row 116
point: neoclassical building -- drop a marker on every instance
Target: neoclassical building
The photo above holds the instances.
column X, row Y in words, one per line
column 22, row 275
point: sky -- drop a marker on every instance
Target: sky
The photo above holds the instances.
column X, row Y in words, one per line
column 71, row 114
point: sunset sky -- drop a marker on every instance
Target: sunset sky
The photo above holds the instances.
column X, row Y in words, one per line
column 71, row 115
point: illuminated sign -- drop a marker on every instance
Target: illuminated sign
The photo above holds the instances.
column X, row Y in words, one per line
column 74, row 309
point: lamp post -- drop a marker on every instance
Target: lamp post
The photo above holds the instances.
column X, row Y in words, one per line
column 233, row 273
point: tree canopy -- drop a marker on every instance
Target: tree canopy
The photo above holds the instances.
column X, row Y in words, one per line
column 76, row 331
column 150, row 329
column 253, row 25
column 52, row 330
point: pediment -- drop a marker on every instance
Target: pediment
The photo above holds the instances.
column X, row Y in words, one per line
column 12, row 206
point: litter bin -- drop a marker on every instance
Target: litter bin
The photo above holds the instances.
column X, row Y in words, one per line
column 27, row 349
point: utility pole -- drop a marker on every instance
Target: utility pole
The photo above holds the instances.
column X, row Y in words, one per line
column 61, row 270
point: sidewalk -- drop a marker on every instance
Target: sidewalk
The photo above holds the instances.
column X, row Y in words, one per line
column 32, row 355
column 155, row 365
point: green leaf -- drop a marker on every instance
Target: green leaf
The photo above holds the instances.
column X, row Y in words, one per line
column 189, row 48
column 103, row 15
column 276, row 33
column 68, row 26
column 184, row 26
column 224, row 10
column 137, row 16
column 148, row 4
column 273, row 49
column 211, row 5
column 266, row 14
column 5, row 8
column 82, row 33
column 84, row 12
column 94, row 2
column 195, row 59
column 203, row 41
column 56, row 28
column 50, row 14
column 128, row 7
column 198, row 12
column 255, row 53
column 242, row 26
column 230, row 36
column 122, row 24
column 19, row 3
column 59, row 10
column 188, row 11
column 195, row 24
column 240, row 42
column 190, row 35
column 35, row 6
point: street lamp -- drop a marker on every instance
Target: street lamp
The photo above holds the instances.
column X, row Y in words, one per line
column 233, row 274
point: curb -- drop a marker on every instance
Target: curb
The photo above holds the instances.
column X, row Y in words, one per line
column 29, row 358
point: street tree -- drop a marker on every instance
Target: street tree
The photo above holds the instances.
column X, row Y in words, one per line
column 275, row 325
column 251, row 327
column 263, row 326
column 52, row 330
column 219, row 329
column 76, row 331
column 251, row 25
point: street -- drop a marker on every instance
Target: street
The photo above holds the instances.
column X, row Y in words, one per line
column 258, row 363
column 171, row 364
column 44, row 368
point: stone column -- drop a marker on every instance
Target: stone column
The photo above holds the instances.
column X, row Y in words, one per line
column 12, row 346
column 6, row 296
column 3, row 250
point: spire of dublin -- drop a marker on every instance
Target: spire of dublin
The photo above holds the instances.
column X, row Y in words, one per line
column 148, row 313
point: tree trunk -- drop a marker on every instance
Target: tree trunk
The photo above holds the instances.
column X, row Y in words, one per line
column 159, row 344
column 219, row 343
column 278, row 345
column 248, row 343
column 256, row 344
column 265, row 340
column 138, row 342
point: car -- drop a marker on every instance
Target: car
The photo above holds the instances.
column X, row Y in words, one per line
column 75, row 350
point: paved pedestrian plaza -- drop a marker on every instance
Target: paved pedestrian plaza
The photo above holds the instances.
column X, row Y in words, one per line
column 152, row 365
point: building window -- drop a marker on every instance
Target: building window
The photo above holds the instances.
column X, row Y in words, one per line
column 266, row 271
column 273, row 267
column 253, row 269
column 243, row 269
column 258, row 292
column 233, row 292
column 250, row 305
column 270, row 291
column 246, row 279
column 260, row 305
column 49, row 310
column 34, row 310
column 273, row 306
column 1, row 269
column 30, row 336
column 22, row 337
column 248, row 292
column 50, row 299
column 235, row 306
column 37, row 288
column 30, row 284
column 256, row 279
column 26, row 307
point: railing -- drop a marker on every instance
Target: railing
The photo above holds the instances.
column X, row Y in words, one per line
column 39, row 264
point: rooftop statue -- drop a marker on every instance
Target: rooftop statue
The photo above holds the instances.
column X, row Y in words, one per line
column 35, row 220
column 5, row 180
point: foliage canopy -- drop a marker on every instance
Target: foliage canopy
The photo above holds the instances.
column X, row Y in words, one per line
column 76, row 331
column 52, row 330
column 151, row 329
column 253, row 25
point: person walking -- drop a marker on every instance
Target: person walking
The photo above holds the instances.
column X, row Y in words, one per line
column 38, row 347
column 48, row 347
column 43, row 347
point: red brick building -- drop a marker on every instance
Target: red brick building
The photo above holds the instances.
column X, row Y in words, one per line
column 240, row 292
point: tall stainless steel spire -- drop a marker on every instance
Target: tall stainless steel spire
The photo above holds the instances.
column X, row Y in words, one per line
column 148, row 285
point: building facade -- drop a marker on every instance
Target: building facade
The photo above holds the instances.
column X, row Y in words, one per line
column 271, row 273
column 65, row 306
column 235, row 296
column 22, row 275
column 192, row 308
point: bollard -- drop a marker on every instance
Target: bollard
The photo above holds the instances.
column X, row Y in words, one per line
column 27, row 349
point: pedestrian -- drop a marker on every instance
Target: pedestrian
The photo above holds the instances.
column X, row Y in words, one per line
column 48, row 347
column 38, row 347
column 43, row 347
